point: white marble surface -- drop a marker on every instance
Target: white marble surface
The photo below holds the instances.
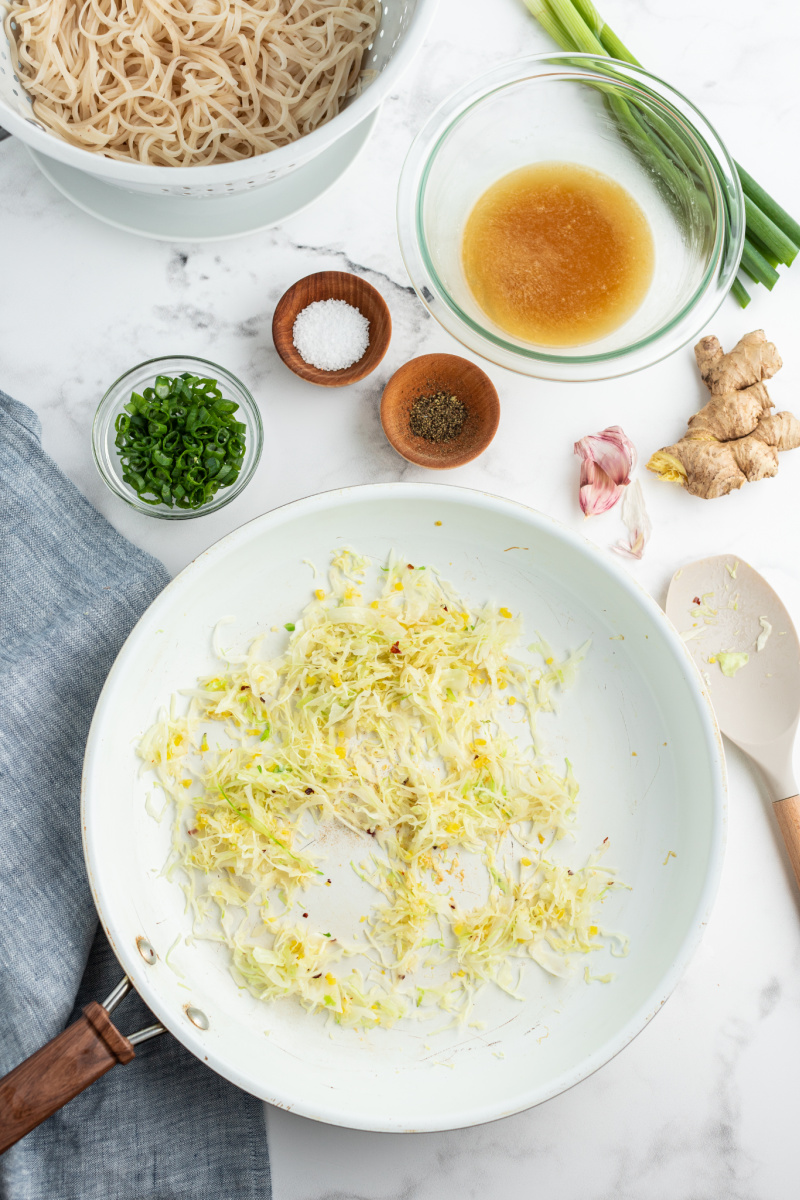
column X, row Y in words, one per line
column 703, row 1104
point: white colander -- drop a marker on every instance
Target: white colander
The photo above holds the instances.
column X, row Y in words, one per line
column 404, row 24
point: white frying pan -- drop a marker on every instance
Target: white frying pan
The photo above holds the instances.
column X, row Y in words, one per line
column 637, row 727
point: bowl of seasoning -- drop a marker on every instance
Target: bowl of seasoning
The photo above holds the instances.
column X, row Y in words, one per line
column 440, row 411
column 177, row 437
column 570, row 217
column 332, row 328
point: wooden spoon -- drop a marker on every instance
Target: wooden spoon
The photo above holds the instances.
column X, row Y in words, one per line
column 721, row 606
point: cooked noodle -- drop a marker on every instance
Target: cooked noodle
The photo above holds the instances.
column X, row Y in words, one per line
column 188, row 82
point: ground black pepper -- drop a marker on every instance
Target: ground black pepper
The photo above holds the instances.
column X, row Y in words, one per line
column 438, row 417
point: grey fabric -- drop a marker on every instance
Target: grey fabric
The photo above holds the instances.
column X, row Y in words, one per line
column 163, row 1127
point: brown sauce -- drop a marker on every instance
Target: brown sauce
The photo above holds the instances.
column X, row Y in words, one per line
column 558, row 254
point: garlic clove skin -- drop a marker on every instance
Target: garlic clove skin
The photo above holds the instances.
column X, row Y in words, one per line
column 636, row 521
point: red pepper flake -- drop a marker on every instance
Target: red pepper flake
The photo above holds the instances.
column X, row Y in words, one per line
column 695, row 600
column 410, row 566
column 191, row 832
column 305, row 914
column 395, row 649
column 309, row 791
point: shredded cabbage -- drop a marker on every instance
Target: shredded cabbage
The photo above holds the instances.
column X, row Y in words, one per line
column 404, row 717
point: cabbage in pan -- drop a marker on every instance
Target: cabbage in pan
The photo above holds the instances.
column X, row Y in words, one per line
column 405, row 717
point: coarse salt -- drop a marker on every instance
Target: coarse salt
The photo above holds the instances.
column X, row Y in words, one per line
column 331, row 334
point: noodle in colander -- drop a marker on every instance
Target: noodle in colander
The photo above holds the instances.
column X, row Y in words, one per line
column 188, row 82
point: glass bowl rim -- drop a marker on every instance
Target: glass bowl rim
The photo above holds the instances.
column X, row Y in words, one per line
column 632, row 79
column 223, row 496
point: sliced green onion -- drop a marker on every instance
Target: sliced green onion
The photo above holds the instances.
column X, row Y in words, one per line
column 178, row 441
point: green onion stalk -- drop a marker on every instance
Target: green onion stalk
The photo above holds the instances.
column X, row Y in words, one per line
column 772, row 237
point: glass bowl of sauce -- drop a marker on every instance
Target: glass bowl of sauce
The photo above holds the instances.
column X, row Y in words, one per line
column 570, row 217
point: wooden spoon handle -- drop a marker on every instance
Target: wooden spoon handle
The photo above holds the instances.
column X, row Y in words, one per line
column 788, row 814
column 55, row 1074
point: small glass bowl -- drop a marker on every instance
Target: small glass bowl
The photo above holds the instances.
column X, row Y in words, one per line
column 106, row 455
column 588, row 110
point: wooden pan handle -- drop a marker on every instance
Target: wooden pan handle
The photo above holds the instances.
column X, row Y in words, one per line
column 45, row 1082
column 788, row 815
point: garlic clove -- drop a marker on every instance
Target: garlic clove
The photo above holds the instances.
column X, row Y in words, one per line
column 607, row 459
column 598, row 493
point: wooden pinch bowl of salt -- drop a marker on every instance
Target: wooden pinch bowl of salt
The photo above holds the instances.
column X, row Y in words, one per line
column 331, row 332
column 436, row 375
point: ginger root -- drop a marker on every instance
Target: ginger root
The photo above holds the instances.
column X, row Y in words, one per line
column 734, row 439
column 752, row 360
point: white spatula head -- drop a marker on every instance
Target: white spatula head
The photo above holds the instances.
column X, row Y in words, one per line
column 747, row 650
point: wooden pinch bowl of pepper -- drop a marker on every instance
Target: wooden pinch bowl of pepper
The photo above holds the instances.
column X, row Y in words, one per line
column 440, row 411
column 332, row 285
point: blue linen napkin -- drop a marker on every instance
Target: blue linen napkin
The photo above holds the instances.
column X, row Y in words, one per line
column 163, row 1127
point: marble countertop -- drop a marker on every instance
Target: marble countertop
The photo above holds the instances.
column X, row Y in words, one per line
column 703, row 1103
